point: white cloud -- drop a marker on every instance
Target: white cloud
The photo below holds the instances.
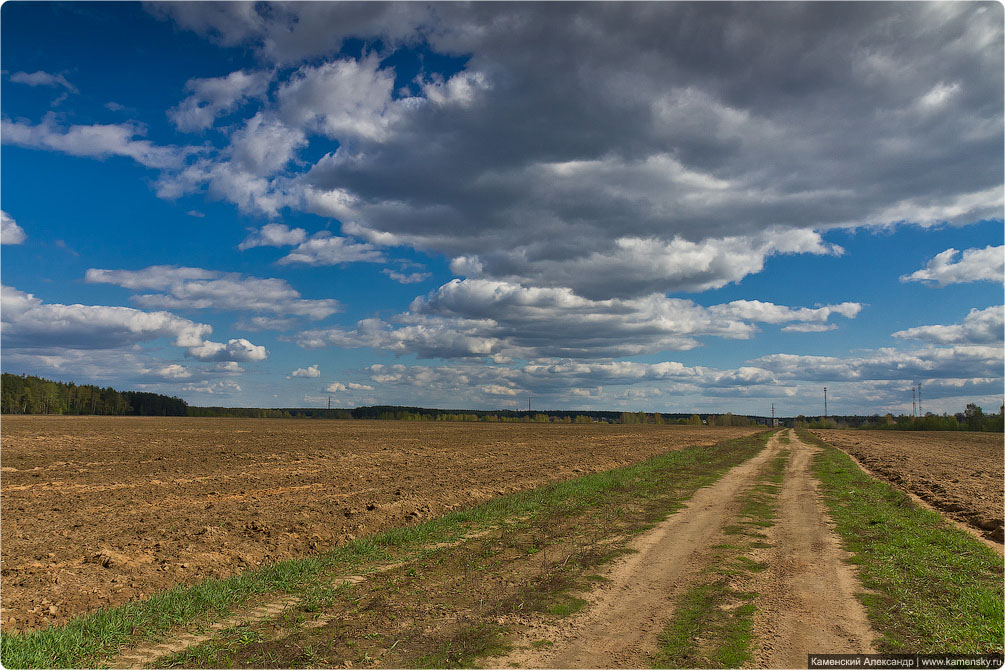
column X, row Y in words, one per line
column 980, row 326
column 310, row 371
column 213, row 97
column 175, row 371
column 343, row 99
column 959, row 361
column 987, row 264
column 154, row 277
column 30, row 323
column 359, row 387
column 326, row 249
column 274, row 235
column 409, row 278
column 214, row 388
column 41, row 78
column 228, row 367
column 335, row 387
column 264, row 145
column 238, row 349
column 96, row 141
column 10, row 232
column 635, row 266
column 809, row 328
column 195, row 288
column 480, row 318
column 766, row 312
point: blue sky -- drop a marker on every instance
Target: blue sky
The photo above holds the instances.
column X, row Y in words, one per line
column 667, row 207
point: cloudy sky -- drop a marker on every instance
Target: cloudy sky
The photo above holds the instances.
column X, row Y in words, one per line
column 658, row 206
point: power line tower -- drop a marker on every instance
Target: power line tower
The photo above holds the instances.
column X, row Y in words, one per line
column 914, row 402
column 920, row 412
column 825, row 402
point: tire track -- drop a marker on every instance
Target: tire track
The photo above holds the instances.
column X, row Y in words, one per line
column 808, row 595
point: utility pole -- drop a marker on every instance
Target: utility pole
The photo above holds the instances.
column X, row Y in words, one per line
column 825, row 402
column 920, row 411
column 772, row 415
column 914, row 402
column 528, row 403
column 329, row 402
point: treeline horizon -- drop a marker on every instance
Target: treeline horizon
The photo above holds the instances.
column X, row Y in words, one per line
column 29, row 394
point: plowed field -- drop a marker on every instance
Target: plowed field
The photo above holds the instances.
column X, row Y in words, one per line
column 959, row 473
column 97, row 511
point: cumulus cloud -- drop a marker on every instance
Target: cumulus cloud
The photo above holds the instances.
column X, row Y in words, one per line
column 344, row 99
column 28, row 322
column 336, row 387
column 96, row 141
column 216, row 96
column 407, row 278
column 960, row 361
column 664, row 163
column 195, row 288
column 174, row 371
column 310, row 371
column 274, row 235
column 264, row 145
column 41, row 78
column 10, row 232
column 980, row 326
column 238, row 349
column 359, row 387
column 214, row 388
column 479, row 318
column 326, row 249
column 949, row 267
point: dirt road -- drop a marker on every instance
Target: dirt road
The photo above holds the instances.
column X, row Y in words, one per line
column 806, row 599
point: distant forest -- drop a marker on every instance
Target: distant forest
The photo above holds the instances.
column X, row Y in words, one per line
column 26, row 394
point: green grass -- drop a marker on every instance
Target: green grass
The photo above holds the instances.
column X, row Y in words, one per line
column 468, row 645
column 713, row 620
column 90, row 639
column 934, row 588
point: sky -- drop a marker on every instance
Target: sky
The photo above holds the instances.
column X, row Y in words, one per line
column 668, row 207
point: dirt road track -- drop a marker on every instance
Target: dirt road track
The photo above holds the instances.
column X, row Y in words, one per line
column 807, row 601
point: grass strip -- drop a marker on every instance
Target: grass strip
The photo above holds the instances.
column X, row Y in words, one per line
column 713, row 620
column 90, row 639
column 933, row 588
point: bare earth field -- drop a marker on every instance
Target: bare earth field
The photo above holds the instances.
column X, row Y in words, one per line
column 100, row 510
column 961, row 474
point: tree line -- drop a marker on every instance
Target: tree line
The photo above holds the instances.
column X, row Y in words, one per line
column 27, row 394
column 972, row 418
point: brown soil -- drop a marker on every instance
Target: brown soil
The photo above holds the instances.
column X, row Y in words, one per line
column 807, row 602
column 961, row 474
column 100, row 510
